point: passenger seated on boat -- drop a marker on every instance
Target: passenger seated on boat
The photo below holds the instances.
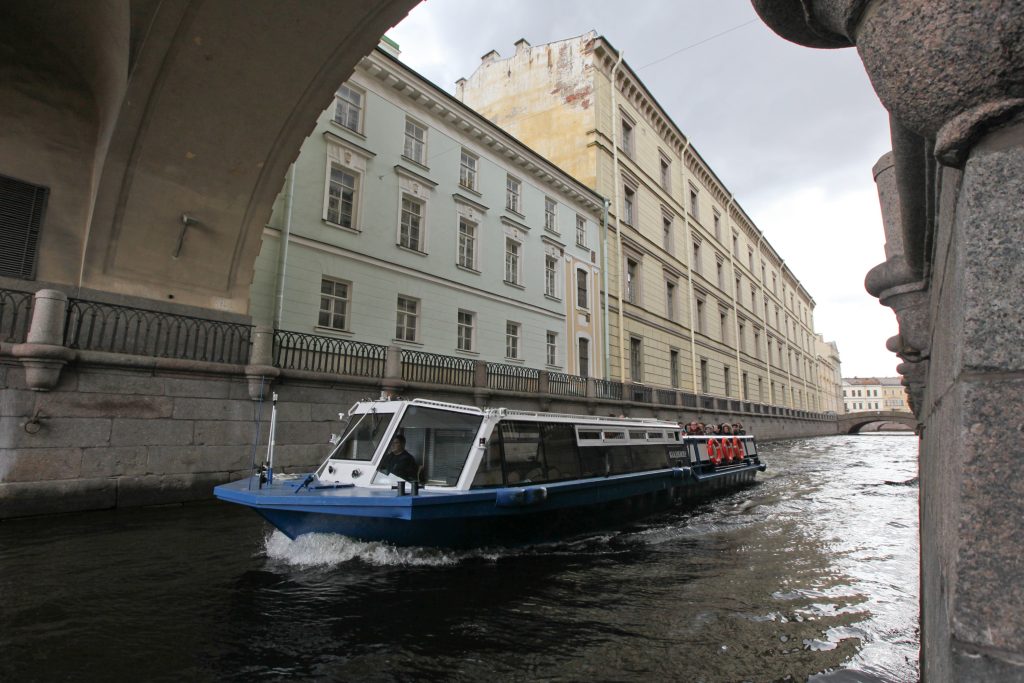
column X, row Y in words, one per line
column 400, row 462
column 725, row 428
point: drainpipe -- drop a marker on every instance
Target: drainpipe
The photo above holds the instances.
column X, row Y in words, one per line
column 618, row 227
column 767, row 346
column 282, row 252
column 604, row 269
column 689, row 278
column 735, row 304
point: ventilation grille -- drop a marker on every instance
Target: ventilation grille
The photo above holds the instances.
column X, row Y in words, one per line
column 21, row 214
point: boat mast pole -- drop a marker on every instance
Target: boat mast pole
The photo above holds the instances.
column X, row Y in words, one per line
column 271, row 439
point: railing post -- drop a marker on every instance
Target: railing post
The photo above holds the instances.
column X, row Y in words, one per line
column 392, row 382
column 43, row 354
column 260, row 372
column 591, row 387
column 543, row 383
column 479, row 374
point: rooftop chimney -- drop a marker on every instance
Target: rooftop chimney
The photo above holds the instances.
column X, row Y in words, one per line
column 490, row 57
column 521, row 45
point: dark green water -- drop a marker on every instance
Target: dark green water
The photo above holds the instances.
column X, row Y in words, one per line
column 811, row 574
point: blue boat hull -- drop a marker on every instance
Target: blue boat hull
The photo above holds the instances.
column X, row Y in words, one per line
column 480, row 517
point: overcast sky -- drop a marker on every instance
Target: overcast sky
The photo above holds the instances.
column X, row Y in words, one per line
column 792, row 132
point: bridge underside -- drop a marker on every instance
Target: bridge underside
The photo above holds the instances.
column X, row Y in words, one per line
column 853, row 423
column 135, row 113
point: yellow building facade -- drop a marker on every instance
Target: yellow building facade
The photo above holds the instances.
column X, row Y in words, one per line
column 695, row 296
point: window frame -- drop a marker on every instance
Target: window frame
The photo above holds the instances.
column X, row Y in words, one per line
column 461, row 240
column 550, row 215
column 582, row 278
column 513, row 340
column 461, row 327
column 340, row 101
column 415, row 315
column 328, row 184
column 346, row 302
column 469, row 172
column 551, row 348
column 421, row 158
column 421, row 221
column 581, row 231
column 516, row 257
column 513, row 194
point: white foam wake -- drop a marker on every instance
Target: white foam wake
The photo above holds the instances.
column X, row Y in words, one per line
column 319, row 550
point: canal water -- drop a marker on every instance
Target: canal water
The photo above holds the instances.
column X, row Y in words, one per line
column 812, row 574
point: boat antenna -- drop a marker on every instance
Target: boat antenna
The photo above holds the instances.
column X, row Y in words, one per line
column 268, row 465
column 257, row 420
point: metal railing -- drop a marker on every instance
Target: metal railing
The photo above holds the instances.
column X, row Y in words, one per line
column 609, row 390
column 560, row 384
column 689, row 400
column 433, row 368
column 639, row 393
column 666, row 397
column 316, row 353
column 512, row 377
column 15, row 315
column 119, row 329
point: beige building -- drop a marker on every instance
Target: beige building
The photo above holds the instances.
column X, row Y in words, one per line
column 863, row 394
column 696, row 298
column 830, row 378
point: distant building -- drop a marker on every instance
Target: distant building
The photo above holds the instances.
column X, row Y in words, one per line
column 862, row 394
column 412, row 220
column 697, row 297
column 829, row 375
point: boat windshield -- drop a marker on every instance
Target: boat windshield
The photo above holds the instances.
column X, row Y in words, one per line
column 430, row 445
column 362, row 438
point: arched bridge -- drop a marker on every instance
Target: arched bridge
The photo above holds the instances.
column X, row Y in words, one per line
column 851, row 423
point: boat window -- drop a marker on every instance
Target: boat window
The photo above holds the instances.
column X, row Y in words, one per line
column 560, row 452
column 655, row 435
column 641, row 436
column 593, row 462
column 439, row 441
column 615, row 436
column 489, row 472
column 362, row 438
column 521, row 442
column 649, row 457
column 589, row 436
column 620, row 459
column 702, row 449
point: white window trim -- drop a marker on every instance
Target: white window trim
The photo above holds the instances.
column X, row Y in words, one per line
column 472, row 331
column 359, row 130
column 518, row 337
column 426, row 140
column 475, row 188
column 347, row 300
column 417, row 332
column 353, row 160
column 475, row 267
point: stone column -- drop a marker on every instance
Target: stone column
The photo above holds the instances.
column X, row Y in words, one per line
column 951, row 75
column 261, row 372
column 43, row 355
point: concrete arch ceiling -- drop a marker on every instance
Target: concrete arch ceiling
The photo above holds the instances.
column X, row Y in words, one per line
column 190, row 107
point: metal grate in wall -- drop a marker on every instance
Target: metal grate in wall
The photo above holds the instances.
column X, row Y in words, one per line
column 21, row 214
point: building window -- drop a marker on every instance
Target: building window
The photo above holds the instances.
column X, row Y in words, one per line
column 408, row 316
column 581, row 231
column 673, row 368
column 632, row 281
column 22, row 206
column 666, row 233
column 550, row 280
column 695, row 265
column 736, row 246
column 742, row 341
column 720, row 274
column 753, row 299
column 582, row 298
column 467, row 170
column 583, row 356
column 726, row 375
column 513, row 194
column 550, row 216
column 415, row 142
column 760, row 390
column 466, row 330
column 512, row 339
column 775, row 287
column 628, row 204
column 750, row 259
column 739, row 291
column 628, row 143
column 348, row 110
column 341, row 197
column 410, row 231
column 717, row 220
column 635, row 359
column 704, row 387
column 700, row 315
column 467, row 244
column 334, row 298
column 670, row 300
column 757, row 344
column 723, row 323
column 551, row 347
column 694, row 203
column 744, row 393
column 666, row 174
column 512, row 261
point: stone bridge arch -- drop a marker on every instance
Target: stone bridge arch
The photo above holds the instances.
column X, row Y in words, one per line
column 852, row 423
column 137, row 113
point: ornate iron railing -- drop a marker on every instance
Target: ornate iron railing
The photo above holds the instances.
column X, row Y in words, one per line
column 689, row 400
column 560, row 384
column 707, row 403
column 512, row 377
column 15, row 315
column 316, row 353
column 136, row 331
column 666, row 397
column 609, row 390
column 434, row 368
column 639, row 393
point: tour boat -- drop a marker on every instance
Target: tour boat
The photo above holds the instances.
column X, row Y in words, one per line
column 480, row 477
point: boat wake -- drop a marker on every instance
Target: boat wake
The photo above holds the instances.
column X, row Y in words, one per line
column 323, row 550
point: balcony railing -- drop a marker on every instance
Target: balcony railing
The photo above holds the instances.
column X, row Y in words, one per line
column 609, row 390
column 316, row 353
column 512, row 378
column 560, row 384
column 136, row 331
column 15, row 315
column 433, row 368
